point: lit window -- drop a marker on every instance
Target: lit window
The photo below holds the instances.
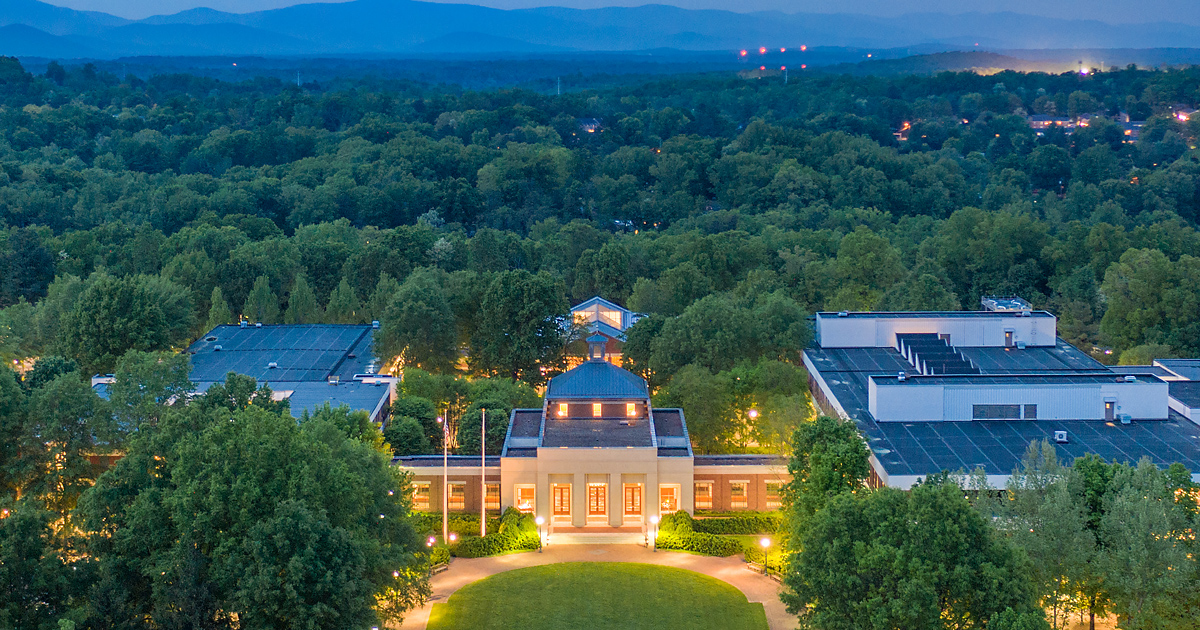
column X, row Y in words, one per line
column 738, row 496
column 525, row 499
column 596, row 410
column 630, row 409
column 668, row 499
column 421, row 495
column 704, row 495
column 458, row 496
column 773, row 488
column 493, row 496
column 562, row 410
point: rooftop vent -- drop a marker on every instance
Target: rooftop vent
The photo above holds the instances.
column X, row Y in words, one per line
column 902, row 376
column 242, row 323
column 843, row 313
column 1025, row 314
column 624, row 423
column 375, row 324
column 1005, row 304
column 258, row 324
column 210, row 338
column 218, row 348
column 272, row 365
column 334, row 380
column 1130, row 379
column 1060, row 437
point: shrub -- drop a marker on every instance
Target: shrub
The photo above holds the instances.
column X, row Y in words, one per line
column 773, row 563
column 676, row 531
column 516, row 532
column 439, row 555
column 430, row 524
column 752, row 523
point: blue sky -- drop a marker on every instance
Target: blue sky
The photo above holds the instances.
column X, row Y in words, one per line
column 1113, row 11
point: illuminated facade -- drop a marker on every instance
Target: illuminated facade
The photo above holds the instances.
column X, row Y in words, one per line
column 598, row 457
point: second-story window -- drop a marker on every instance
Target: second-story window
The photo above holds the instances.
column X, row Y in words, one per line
column 597, row 411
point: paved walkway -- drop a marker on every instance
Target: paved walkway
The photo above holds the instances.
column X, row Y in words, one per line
column 463, row 571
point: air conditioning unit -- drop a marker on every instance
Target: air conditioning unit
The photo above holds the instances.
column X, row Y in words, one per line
column 1060, row 437
column 258, row 324
column 1130, row 379
column 1125, row 418
column 375, row 324
column 902, row 376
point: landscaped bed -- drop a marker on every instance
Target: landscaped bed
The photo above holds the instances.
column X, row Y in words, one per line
column 595, row 596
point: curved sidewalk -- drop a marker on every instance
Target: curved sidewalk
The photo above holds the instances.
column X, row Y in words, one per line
column 463, row 571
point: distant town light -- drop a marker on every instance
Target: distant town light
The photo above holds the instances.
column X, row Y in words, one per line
column 762, row 67
column 762, row 50
column 782, row 50
column 743, row 53
column 803, row 47
column 803, row 66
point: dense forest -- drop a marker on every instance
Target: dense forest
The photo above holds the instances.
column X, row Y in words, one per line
column 139, row 212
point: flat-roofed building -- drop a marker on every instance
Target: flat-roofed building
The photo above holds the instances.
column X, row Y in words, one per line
column 939, row 392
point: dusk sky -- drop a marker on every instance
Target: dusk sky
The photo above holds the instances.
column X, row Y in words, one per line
column 1114, row 11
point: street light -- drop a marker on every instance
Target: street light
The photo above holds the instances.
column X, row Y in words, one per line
column 765, row 543
column 539, row 521
column 753, row 413
column 654, row 532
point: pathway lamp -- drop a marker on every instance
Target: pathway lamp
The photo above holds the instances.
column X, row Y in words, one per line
column 539, row 521
column 654, row 532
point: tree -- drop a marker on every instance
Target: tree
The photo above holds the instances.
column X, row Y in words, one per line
column 521, row 322
column 708, row 401
column 1047, row 519
column 67, row 423
column 319, row 535
column 1147, row 560
column 46, row 369
column 469, row 427
column 381, row 298
column 111, row 317
column 885, row 559
column 302, row 304
column 219, row 313
column 829, row 458
column 38, row 584
column 425, row 412
column 343, row 307
column 418, row 325
column 261, row 304
column 145, row 386
column 407, row 436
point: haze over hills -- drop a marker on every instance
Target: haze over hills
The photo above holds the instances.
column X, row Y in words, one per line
column 389, row 27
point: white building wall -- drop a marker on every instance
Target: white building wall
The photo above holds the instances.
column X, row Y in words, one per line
column 978, row 331
column 912, row 402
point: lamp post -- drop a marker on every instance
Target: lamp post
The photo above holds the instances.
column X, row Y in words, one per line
column 654, row 532
column 765, row 543
column 445, row 480
column 483, row 473
column 538, row 521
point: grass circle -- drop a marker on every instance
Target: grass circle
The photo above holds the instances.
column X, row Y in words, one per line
column 598, row 596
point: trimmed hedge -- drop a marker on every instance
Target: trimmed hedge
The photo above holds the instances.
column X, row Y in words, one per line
column 676, row 531
column 757, row 523
column 516, row 532
column 430, row 524
column 439, row 555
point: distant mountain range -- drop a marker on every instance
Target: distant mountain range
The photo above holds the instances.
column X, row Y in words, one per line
column 388, row 27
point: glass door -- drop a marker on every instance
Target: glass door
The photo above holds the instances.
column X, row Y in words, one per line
column 597, row 500
column 633, row 501
column 562, row 500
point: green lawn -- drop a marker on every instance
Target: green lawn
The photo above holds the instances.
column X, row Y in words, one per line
column 598, row 596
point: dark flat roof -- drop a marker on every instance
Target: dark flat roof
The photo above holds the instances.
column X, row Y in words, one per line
column 1186, row 392
column 740, row 460
column 596, row 432
column 1187, row 368
column 435, row 461
column 673, row 451
column 668, row 422
column 312, row 396
column 1060, row 357
column 302, row 352
column 914, row 380
column 924, row 448
column 521, row 452
column 931, row 314
column 527, row 423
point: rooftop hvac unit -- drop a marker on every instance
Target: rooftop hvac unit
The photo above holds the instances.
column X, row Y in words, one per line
column 375, row 324
column 218, row 348
column 333, row 380
column 1125, row 418
column 1060, row 437
column 272, row 365
column 1020, row 345
column 843, row 313
column 1130, row 379
column 241, row 323
column 902, row 376
column 258, row 324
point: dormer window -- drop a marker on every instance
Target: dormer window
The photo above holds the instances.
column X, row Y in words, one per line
column 562, row 410
column 631, row 410
column 597, row 411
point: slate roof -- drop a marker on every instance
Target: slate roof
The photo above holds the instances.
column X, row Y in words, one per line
column 597, row 380
column 301, row 352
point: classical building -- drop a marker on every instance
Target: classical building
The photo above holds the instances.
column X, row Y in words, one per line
column 598, row 455
column 958, row 391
